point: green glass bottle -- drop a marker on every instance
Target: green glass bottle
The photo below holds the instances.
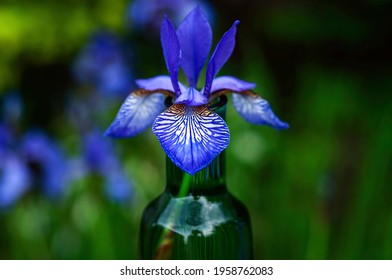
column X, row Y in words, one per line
column 196, row 217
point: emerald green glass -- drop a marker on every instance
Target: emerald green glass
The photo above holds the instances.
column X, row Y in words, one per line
column 196, row 217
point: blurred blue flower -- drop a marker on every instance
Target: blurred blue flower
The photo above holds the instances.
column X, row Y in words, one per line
column 100, row 158
column 5, row 137
column 14, row 175
column 147, row 14
column 118, row 186
column 102, row 65
column 98, row 152
column 190, row 133
column 48, row 166
column 14, row 178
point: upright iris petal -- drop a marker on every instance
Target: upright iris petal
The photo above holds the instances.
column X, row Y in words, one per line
column 222, row 52
column 171, row 52
column 195, row 37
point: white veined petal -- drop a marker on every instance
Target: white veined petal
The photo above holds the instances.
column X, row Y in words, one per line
column 191, row 136
column 137, row 113
column 256, row 110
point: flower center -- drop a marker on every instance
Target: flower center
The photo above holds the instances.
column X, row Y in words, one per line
column 192, row 97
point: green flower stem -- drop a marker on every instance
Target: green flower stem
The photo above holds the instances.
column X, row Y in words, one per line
column 185, row 184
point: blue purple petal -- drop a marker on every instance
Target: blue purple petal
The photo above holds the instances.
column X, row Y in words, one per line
column 136, row 114
column 232, row 83
column 158, row 82
column 195, row 37
column 171, row 52
column 256, row 110
column 192, row 97
column 191, row 136
column 222, row 53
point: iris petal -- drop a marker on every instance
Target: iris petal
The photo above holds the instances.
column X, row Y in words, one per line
column 222, row 52
column 171, row 51
column 232, row 83
column 192, row 97
column 256, row 110
column 158, row 82
column 136, row 114
column 191, row 136
column 195, row 37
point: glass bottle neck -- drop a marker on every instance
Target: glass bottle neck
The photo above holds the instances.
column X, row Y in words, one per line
column 210, row 180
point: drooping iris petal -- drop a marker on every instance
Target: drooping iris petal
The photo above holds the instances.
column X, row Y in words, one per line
column 195, row 37
column 136, row 114
column 158, row 82
column 222, row 52
column 256, row 110
column 192, row 97
column 191, row 136
column 232, row 83
column 171, row 52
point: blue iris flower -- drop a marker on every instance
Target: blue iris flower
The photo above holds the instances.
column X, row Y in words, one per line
column 189, row 132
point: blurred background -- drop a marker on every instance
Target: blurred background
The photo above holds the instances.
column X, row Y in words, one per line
column 320, row 190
